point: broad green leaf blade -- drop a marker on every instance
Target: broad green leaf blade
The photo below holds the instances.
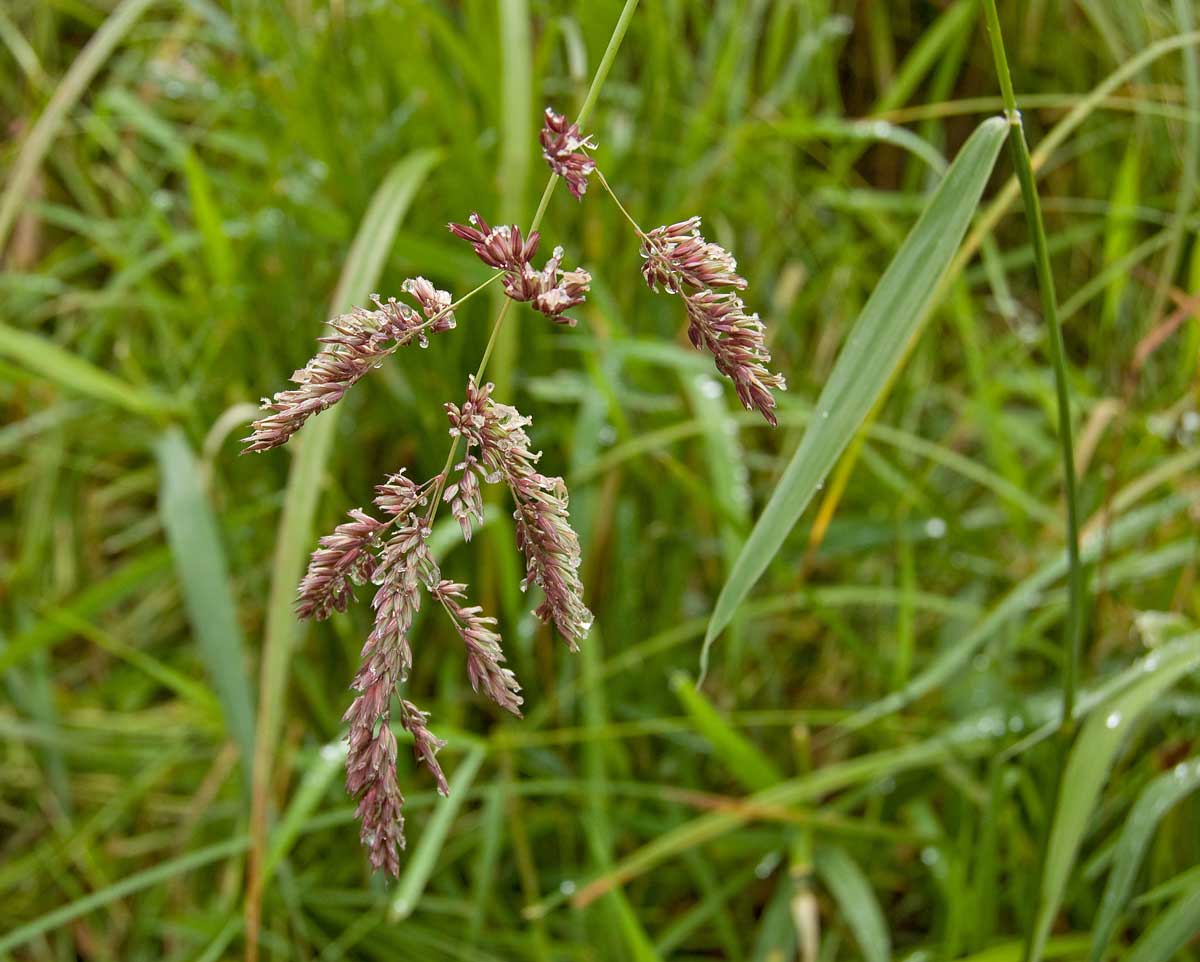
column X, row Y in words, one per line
column 1088, row 767
column 856, row 899
column 195, row 541
column 1155, row 801
column 1170, row 933
column 878, row 343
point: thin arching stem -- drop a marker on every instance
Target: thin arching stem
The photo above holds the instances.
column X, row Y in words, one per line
column 589, row 101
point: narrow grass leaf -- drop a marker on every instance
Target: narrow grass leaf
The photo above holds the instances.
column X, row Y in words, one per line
column 1167, row 936
column 877, row 344
column 744, row 760
column 66, row 95
column 119, row 890
column 424, row 857
column 1087, row 770
column 856, row 899
column 1155, row 801
column 72, row 373
column 195, row 541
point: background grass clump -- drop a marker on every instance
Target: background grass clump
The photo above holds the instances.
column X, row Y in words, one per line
column 872, row 767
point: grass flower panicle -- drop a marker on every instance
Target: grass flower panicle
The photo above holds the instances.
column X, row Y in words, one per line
column 390, row 547
column 426, row 745
column 550, row 291
column 464, row 496
column 435, row 304
column 678, row 257
column 544, row 532
column 344, row 559
column 371, row 778
column 718, row 323
column 404, row 562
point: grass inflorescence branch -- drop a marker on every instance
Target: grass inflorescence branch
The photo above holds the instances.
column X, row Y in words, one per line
column 387, row 546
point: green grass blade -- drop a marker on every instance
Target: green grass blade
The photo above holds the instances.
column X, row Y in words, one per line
column 1155, row 801
column 119, row 890
column 1170, row 933
column 853, row 893
column 1087, row 770
column 67, row 94
column 877, row 344
column 195, row 540
column 1022, row 598
column 745, row 761
column 72, row 373
column 325, row 766
column 424, row 857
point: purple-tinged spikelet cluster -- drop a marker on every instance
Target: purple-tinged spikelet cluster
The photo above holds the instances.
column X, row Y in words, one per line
column 678, row 259
column 360, row 341
column 344, row 559
column 562, row 147
column 389, row 547
column 549, row 291
column 386, row 660
column 544, row 532
column 484, row 655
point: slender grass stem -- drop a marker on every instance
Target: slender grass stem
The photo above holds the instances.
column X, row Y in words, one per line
column 1075, row 580
column 621, row 207
column 1045, row 278
column 589, row 101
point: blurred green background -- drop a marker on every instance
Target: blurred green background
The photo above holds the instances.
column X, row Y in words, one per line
column 184, row 186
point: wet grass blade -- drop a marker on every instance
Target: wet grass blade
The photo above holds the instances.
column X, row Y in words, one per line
column 66, row 95
column 745, row 761
column 1155, row 801
column 853, row 893
column 119, row 890
column 874, row 350
column 72, row 373
column 195, row 540
column 1087, row 770
column 1171, row 932
column 424, row 857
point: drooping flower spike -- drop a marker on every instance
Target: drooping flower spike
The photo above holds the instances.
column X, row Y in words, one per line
column 360, row 341
column 544, row 532
column 679, row 260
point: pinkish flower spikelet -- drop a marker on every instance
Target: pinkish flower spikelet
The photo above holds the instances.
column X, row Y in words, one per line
column 550, row 291
column 544, row 532
column 679, row 260
column 360, row 341
column 562, row 147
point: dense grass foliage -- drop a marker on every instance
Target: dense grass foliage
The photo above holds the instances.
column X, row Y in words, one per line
column 873, row 766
